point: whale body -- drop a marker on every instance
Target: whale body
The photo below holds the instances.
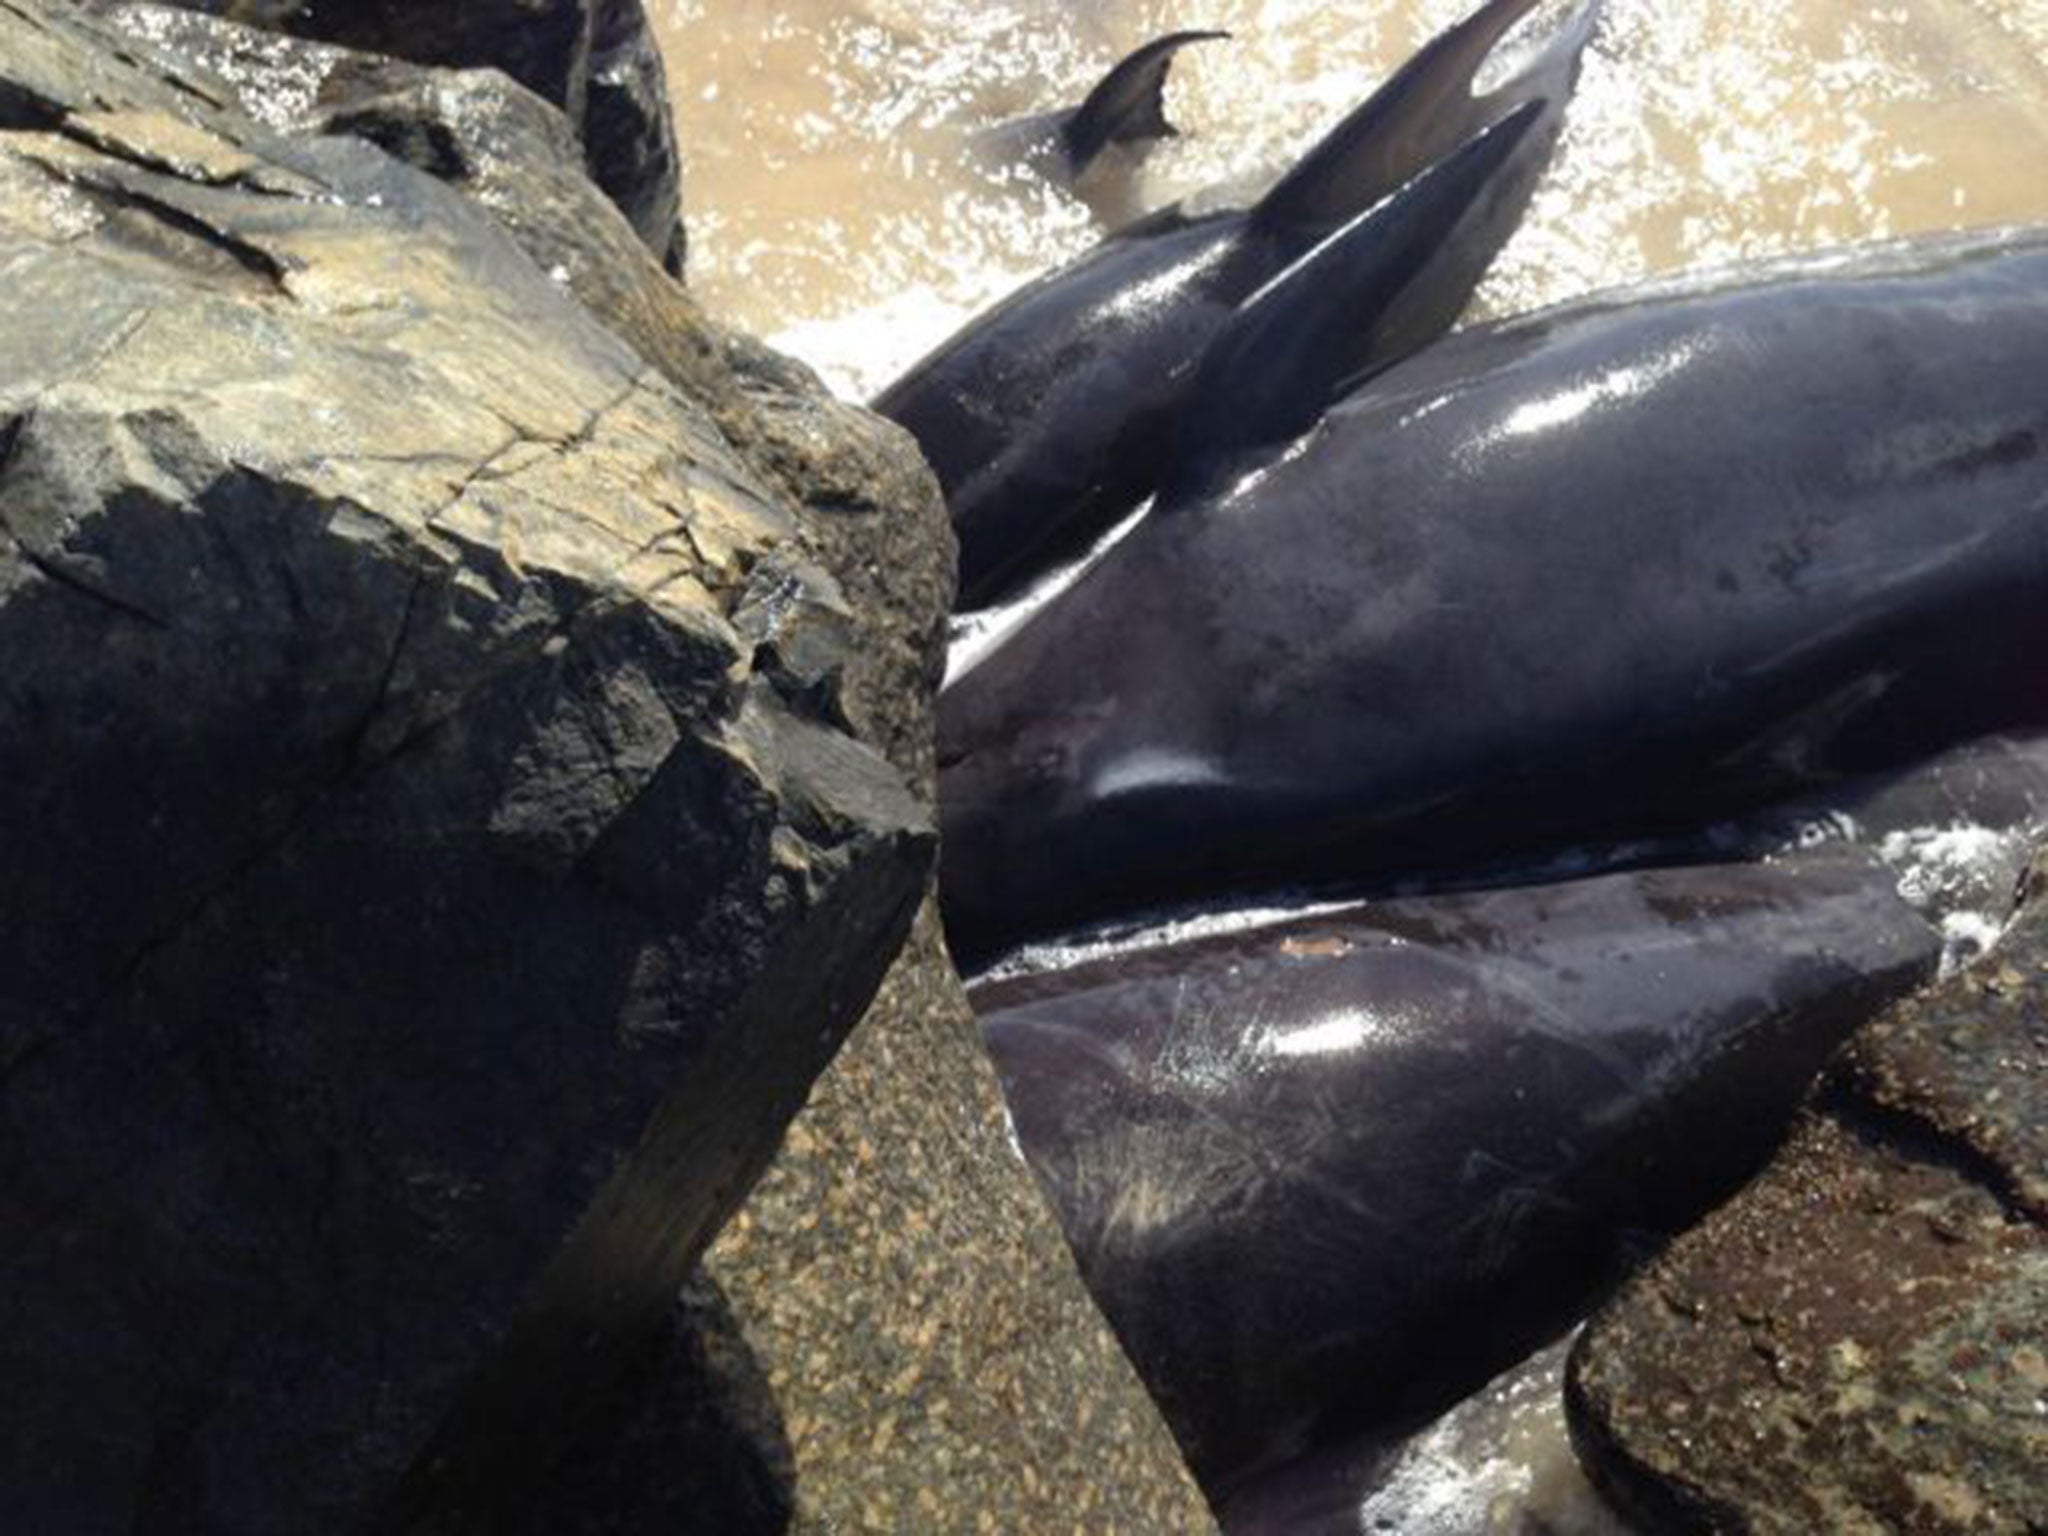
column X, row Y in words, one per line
column 1598, row 572
column 1052, row 414
column 1336, row 1173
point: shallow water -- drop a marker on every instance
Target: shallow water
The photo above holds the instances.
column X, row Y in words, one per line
column 838, row 206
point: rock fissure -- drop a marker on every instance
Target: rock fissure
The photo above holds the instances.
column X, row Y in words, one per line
column 80, row 131
column 252, row 258
column 481, row 471
column 118, row 341
column 581, row 435
column 22, row 110
column 400, row 633
column 71, row 581
column 450, row 705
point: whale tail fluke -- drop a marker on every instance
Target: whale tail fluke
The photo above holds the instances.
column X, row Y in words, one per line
column 1380, row 288
column 1422, row 113
column 1128, row 104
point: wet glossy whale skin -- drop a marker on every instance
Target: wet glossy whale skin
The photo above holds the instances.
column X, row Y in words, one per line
column 1615, row 567
column 1342, row 1170
column 1054, row 413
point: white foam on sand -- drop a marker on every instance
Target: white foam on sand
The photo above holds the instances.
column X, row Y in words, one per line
column 859, row 351
column 1498, row 1464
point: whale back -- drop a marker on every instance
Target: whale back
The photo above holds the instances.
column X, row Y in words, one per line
column 1591, row 574
column 1053, row 414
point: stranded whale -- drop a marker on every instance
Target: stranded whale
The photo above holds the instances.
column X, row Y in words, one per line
column 1339, row 1171
column 1607, row 569
column 1051, row 414
column 1955, row 832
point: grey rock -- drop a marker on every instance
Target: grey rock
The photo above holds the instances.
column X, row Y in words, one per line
column 500, row 145
column 594, row 59
column 897, row 1278
column 1859, row 1341
column 494, row 142
column 628, row 133
column 881, row 1410
column 881, row 527
column 437, row 863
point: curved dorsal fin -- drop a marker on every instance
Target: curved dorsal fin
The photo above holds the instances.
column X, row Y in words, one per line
column 1128, row 102
column 1419, row 116
column 1353, row 304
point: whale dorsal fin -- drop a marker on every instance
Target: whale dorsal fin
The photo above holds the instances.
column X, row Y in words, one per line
column 1419, row 116
column 1357, row 303
column 1127, row 103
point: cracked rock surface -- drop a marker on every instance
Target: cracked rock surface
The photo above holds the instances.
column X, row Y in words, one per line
column 891, row 1334
column 1858, row 1343
column 596, row 60
column 438, row 862
column 509, row 152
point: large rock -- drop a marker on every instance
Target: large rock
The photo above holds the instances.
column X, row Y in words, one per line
column 903, row 1160
column 436, row 863
column 1859, row 1342
column 595, row 59
column 897, row 1276
column 879, row 523
column 504, row 148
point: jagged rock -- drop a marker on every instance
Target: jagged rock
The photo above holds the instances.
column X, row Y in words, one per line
column 436, row 864
column 595, row 59
column 628, row 135
column 897, row 1276
column 485, row 135
column 1858, row 1342
column 882, row 527
column 939, row 1190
